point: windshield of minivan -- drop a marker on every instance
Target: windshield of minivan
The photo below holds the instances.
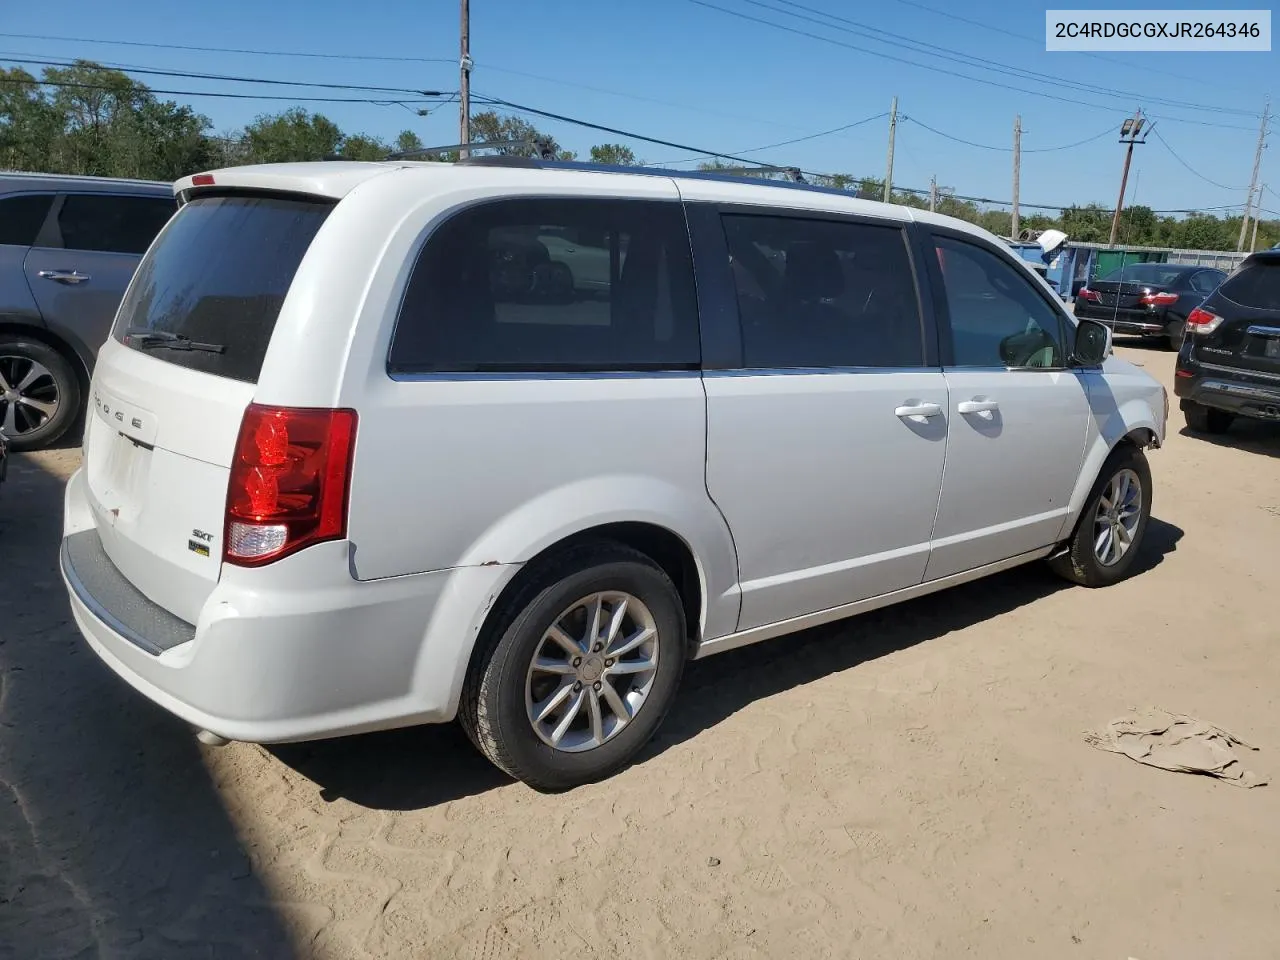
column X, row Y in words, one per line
column 216, row 278
column 1158, row 274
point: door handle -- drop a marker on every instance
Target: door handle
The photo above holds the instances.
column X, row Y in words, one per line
column 918, row 411
column 64, row 276
column 977, row 406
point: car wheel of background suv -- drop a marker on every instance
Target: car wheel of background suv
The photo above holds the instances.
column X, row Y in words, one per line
column 1202, row 419
column 1175, row 331
column 39, row 393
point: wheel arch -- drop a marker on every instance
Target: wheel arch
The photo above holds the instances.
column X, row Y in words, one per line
column 1138, row 430
column 670, row 550
column 80, row 363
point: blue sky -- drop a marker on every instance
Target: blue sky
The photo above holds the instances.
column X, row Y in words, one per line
column 681, row 71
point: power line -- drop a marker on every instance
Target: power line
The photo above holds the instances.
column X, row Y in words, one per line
column 1039, row 40
column 935, row 69
column 786, row 143
column 985, row 63
column 573, row 84
column 534, row 111
column 218, row 76
column 1220, row 186
column 222, row 95
column 630, row 135
column 396, row 59
column 258, row 53
column 986, row 146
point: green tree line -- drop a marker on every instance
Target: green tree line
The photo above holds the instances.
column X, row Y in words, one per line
column 88, row 119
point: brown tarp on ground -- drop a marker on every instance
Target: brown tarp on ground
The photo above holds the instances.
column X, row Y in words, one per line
column 1179, row 743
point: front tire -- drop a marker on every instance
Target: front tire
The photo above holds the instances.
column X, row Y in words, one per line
column 583, row 662
column 1202, row 419
column 1108, row 538
column 39, row 393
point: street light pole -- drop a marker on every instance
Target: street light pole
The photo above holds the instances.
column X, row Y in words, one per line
column 1128, row 135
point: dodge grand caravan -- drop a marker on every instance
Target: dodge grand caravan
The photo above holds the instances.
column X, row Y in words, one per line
column 384, row 444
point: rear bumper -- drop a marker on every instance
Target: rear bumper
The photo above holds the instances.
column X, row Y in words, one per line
column 294, row 651
column 1142, row 322
column 1237, row 392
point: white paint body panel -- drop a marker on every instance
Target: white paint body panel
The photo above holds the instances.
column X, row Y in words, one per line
column 829, row 494
column 801, row 497
column 1010, row 471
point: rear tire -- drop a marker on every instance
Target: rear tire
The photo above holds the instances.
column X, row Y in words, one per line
column 1174, row 334
column 42, row 399
column 1089, row 560
column 1202, row 419
column 529, row 669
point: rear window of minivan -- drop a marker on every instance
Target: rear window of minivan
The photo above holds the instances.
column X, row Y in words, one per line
column 216, row 278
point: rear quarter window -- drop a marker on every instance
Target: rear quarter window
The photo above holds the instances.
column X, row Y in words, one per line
column 1255, row 285
column 21, row 217
column 551, row 285
column 217, row 276
column 112, row 223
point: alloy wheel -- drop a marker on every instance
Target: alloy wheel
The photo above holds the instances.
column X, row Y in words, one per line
column 592, row 671
column 29, row 395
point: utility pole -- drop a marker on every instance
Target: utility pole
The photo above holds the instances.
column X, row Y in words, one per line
column 1017, row 174
column 933, row 193
column 1253, row 181
column 1257, row 210
column 893, row 128
column 1129, row 131
column 464, row 64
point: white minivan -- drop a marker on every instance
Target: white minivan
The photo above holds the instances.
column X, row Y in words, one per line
column 365, row 452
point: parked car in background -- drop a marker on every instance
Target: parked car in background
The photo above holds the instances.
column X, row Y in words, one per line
column 1148, row 299
column 1229, row 364
column 4, row 458
column 68, row 248
column 331, row 487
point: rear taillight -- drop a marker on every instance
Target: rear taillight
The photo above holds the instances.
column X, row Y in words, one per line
column 1091, row 296
column 1201, row 321
column 289, row 482
column 1158, row 299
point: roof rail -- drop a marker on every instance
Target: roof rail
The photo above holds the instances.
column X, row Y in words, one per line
column 543, row 148
column 794, row 181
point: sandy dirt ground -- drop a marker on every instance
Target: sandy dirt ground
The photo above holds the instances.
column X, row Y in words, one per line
column 910, row 784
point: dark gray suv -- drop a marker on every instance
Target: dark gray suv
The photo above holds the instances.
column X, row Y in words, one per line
column 68, row 248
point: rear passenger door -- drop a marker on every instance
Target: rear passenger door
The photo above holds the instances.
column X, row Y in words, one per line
column 21, row 217
column 826, row 413
column 1019, row 414
column 85, row 256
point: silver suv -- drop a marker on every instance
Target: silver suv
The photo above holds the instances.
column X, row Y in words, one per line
column 68, row 248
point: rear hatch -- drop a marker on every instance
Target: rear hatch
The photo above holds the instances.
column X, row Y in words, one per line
column 172, row 383
column 1249, row 304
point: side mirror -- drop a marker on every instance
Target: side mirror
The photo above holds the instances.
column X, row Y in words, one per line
column 1093, row 343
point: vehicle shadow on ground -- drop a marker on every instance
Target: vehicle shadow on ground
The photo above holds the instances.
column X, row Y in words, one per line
column 1251, row 436
column 424, row 766
column 113, row 839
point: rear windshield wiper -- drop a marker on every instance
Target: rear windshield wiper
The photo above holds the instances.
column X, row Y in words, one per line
column 145, row 339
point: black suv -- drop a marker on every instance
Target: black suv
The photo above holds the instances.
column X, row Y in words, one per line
column 1229, row 364
column 68, row 248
